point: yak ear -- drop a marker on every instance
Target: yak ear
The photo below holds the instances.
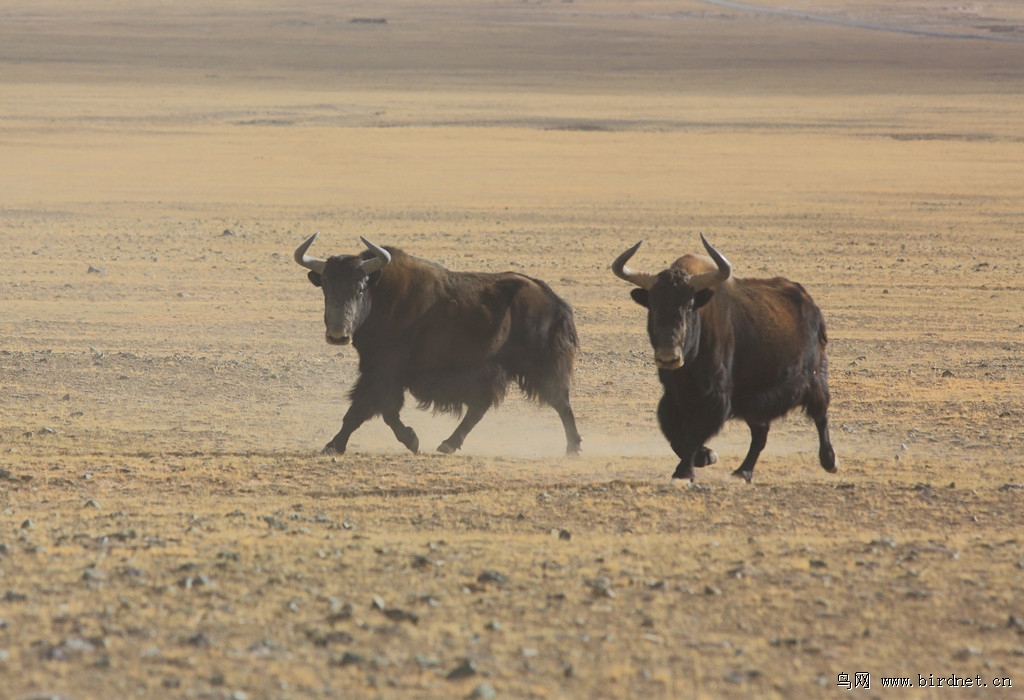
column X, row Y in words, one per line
column 314, row 278
column 703, row 297
column 640, row 296
column 374, row 278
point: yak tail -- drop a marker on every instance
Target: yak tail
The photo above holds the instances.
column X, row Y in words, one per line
column 549, row 364
column 564, row 340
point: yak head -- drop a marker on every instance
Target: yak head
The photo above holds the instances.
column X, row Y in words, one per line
column 346, row 281
column 672, row 298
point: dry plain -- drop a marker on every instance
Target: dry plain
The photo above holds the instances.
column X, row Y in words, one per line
column 169, row 528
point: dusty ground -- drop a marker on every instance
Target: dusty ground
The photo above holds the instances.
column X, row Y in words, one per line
column 168, row 526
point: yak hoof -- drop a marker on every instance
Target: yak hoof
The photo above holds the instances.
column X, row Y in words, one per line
column 330, row 449
column 829, row 461
column 683, row 473
column 744, row 474
column 446, row 448
column 704, row 457
column 412, row 442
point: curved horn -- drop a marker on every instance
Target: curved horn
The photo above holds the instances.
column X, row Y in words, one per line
column 706, row 280
column 382, row 258
column 643, row 280
column 308, row 261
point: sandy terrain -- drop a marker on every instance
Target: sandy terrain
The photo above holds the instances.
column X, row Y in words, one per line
column 169, row 528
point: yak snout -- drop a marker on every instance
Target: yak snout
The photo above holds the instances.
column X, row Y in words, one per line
column 668, row 358
column 338, row 339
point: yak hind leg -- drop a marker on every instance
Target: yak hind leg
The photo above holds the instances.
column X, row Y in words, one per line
column 563, row 406
column 758, row 439
column 826, row 453
column 405, row 434
column 817, row 404
column 572, row 435
column 474, row 412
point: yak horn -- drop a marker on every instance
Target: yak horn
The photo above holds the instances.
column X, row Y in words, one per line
column 382, row 257
column 705, row 280
column 643, row 280
column 308, row 261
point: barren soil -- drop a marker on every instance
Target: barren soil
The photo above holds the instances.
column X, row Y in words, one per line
column 169, row 528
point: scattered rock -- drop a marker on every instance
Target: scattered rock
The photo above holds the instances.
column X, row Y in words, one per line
column 93, row 575
column 484, row 691
column 324, row 639
column 492, row 577
column 396, row 615
column 349, row 658
column 465, row 669
column 711, row 590
column 93, row 270
column 265, row 647
column 426, row 661
column 601, row 587
column 199, row 639
column 190, row 582
column 272, row 522
column 340, row 612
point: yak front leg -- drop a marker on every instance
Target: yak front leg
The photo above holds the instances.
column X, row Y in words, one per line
column 679, row 431
column 366, row 403
column 358, row 413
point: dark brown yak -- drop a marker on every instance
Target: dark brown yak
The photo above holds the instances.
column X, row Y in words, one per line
column 730, row 348
column 454, row 340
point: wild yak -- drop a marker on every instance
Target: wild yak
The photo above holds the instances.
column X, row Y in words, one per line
column 730, row 348
column 454, row 340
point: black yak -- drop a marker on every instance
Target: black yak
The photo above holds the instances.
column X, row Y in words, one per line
column 730, row 348
column 454, row 340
